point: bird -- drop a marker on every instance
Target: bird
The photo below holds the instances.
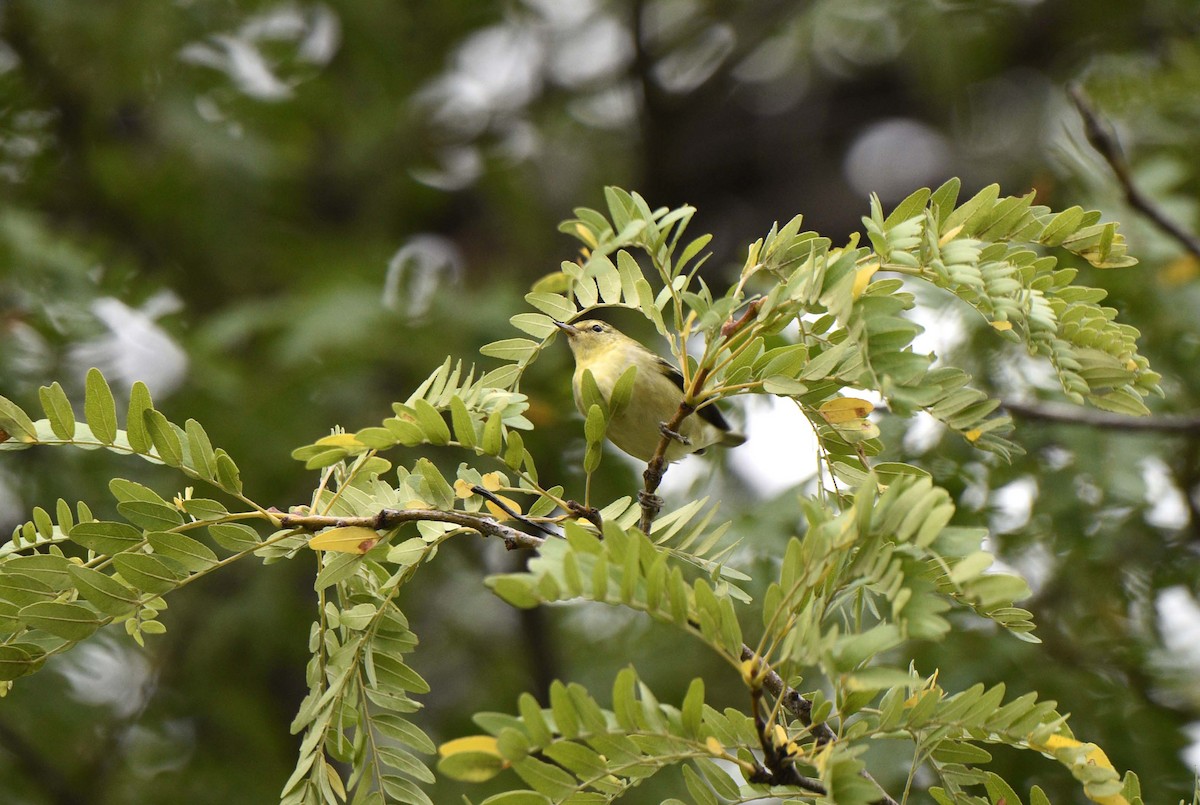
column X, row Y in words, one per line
column 657, row 392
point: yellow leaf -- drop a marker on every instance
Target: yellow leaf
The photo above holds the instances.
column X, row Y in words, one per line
column 347, row 539
column 845, row 409
column 485, row 744
column 1095, row 756
column 335, row 780
column 462, row 489
column 821, row 759
column 950, row 235
column 346, row 440
column 554, row 282
column 1002, row 326
column 715, row 748
column 585, row 234
column 973, row 435
column 749, row 669
column 417, row 503
column 498, row 512
column 779, row 735
column 491, row 481
column 862, row 278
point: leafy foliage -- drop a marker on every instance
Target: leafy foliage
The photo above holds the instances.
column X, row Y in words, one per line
column 876, row 563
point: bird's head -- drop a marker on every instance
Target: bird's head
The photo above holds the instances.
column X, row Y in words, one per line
column 591, row 337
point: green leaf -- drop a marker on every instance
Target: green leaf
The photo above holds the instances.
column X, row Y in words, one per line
column 556, row 306
column 534, row 722
column 192, row 554
column 48, row 569
column 910, row 207
column 546, row 778
column 135, row 421
column 103, row 591
column 16, row 662
column 204, row 508
column 717, row 777
column 229, row 477
column 518, row 798
column 536, row 324
column 404, row 790
column 565, row 717
column 431, row 422
column 200, row 451
column 106, row 537
column 515, row 589
column 165, row 438
column 68, row 621
column 407, row 733
column 99, row 407
column 15, row 422
column 595, row 425
column 150, row 515
column 622, row 391
column 147, row 572
column 696, row 786
column 441, row 491
column 58, row 410
column 464, row 427
column 493, row 442
column 961, row 752
column 510, row 349
column 943, row 199
column 406, row 431
column 233, row 537
column 693, row 708
column 392, row 673
column 514, row 452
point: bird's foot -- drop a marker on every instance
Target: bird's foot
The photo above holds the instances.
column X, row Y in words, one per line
column 670, row 434
column 589, row 513
column 650, row 501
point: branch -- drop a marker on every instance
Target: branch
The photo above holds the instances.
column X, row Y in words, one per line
column 656, row 468
column 1070, row 415
column 801, row 708
column 390, row 518
column 1102, row 138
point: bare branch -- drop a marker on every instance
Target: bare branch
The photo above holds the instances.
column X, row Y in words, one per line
column 389, row 518
column 1102, row 138
column 1071, row 415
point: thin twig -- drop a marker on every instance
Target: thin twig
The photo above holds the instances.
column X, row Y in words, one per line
column 1071, row 415
column 389, row 518
column 1102, row 138
column 504, row 507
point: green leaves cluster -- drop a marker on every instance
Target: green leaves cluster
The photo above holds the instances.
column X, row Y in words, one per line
column 875, row 562
column 65, row 575
column 575, row 751
column 356, row 709
column 991, row 253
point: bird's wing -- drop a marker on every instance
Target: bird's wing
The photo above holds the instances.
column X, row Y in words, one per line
column 709, row 413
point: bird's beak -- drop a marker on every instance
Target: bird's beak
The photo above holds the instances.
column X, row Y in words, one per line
column 569, row 329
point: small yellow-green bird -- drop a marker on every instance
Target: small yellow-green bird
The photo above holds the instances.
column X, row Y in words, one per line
column 657, row 393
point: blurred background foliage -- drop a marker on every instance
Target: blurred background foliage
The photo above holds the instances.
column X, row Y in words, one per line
column 283, row 214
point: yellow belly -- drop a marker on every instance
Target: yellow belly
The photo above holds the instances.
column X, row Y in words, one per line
column 635, row 429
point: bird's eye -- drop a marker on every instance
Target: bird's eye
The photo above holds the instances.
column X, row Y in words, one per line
column 597, row 328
